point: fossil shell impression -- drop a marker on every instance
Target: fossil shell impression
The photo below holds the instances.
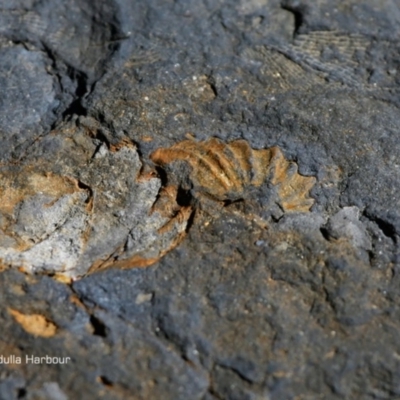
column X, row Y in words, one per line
column 225, row 170
column 111, row 216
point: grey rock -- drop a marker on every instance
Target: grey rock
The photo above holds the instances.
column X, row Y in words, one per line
column 255, row 303
column 50, row 391
column 346, row 224
column 11, row 385
column 31, row 100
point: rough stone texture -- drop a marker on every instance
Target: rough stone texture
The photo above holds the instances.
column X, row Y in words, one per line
column 91, row 210
column 255, row 303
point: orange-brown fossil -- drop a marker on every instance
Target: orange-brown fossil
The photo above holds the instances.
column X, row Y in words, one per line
column 225, row 170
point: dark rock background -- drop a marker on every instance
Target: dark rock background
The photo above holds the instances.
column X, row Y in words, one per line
column 305, row 307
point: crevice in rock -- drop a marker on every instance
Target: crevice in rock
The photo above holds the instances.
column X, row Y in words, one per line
column 75, row 76
column 21, row 393
column 99, row 329
column 227, row 203
column 162, row 174
column 235, row 371
column 386, row 227
column 100, row 117
column 76, row 107
column 105, row 381
column 297, row 12
column 183, row 197
column 371, row 256
column 102, row 138
column 213, row 393
column 190, row 221
column 166, row 338
column 81, row 185
column 213, row 86
column 325, row 233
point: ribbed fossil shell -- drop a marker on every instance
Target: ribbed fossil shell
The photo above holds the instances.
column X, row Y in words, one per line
column 225, row 170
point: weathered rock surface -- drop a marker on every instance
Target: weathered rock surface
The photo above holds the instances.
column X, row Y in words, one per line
column 83, row 214
column 256, row 302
